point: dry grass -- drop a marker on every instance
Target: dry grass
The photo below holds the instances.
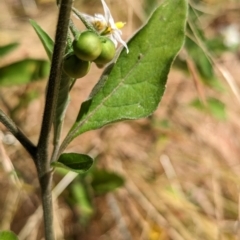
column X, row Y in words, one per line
column 182, row 181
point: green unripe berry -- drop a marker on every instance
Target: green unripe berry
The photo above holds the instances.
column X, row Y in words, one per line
column 75, row 67
column 88, row 46
column 107, row 53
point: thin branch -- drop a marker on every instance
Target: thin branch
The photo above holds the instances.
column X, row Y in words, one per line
column 75, row 32
column 87, row 24
column 18, row 134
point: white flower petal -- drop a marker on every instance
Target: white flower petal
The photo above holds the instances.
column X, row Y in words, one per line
column 114, row 40
column 107, row 13
column 99, row 17
column 119, row 39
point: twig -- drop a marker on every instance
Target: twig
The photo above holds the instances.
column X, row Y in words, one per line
column 87, row 24
column 18, row 134
column 58, row 189
column 35, row 217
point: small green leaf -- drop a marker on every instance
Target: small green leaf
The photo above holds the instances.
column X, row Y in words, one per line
column 216, row 45
column 23, row 102
column 8, row 235
column 24, row 71
column 62, row 103
column 202, row 62
column 82, row 200
column 217, row 108
column 75, row 162
column 47, row 42
column 104, row 181
column 213, row 106
column 4, row 50
column 196, row 103
column 136, row 83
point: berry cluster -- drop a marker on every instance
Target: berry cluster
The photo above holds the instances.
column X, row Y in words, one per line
column 88, row 47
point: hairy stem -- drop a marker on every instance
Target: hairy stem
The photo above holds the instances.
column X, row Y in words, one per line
column 55, row 74
column 42, row 158
column 18, row 134
column 87, row 24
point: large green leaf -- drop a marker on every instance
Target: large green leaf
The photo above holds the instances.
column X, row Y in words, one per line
column 23, row 72
column 47, row 42
column 8, row 235
column 76, row 162
column 136, row 83
column 4, row 50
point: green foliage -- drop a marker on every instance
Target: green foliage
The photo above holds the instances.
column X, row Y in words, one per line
column 136, row 83
column 216, row 45
column 200, row 49
column 8, row 235
column 130, row 88
column 63, row 98
column 62, row 103
column 24, row 71
column 100, row 181
column 82, row 201
column 47, row 42
column 76, row 162
column 24, row 99
column 4, row 50
column 212, row 106
column 104, row 181
column 202, row 62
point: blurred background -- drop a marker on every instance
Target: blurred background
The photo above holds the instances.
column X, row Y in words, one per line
column 172, row 176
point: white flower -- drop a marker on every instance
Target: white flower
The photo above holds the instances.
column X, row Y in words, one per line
column 106, row 26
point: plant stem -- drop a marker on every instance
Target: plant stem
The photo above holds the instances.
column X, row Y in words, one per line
column 18, row 134
column 56, row 143
column 42, row 158
column 75, row 32
column 87, row 24
column 63, row 101
column 46, row 191
column 55, row 74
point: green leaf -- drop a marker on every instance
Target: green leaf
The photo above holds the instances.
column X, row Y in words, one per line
column 75, row 162
column 8, row 235
column 217, row 108
column 213, row 106
column 24, row 71
column 216, row 45
column 4, row 50
column 136, row 83
column 104, row 181
column 62, row 103
column 82, row 200
column 24, row 100
column 203, row 65
column 47, row 42
column 202, row 62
